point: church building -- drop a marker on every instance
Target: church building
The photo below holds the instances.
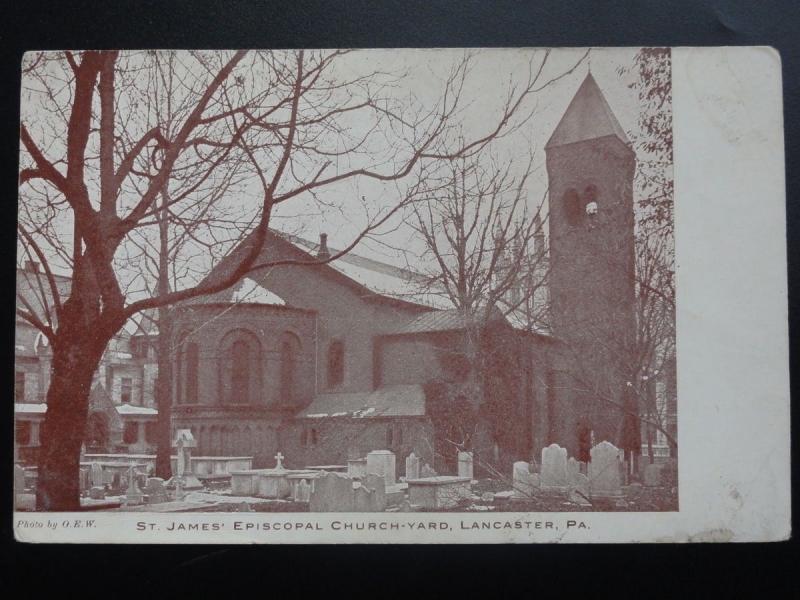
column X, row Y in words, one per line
column 327, row 361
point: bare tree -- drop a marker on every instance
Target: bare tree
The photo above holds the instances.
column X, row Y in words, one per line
column 97, row 157
column 484, row 240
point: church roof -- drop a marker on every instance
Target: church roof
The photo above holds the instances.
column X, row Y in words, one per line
column 587, row 117
column 386, row 401
column 379, row 277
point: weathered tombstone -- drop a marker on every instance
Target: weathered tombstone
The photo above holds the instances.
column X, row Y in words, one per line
column 19, row 479
column 412, row 466
column 155, row 490
column 303, row 492
column 357, row 467
column 97, row 492
column 465, row 465
column 382, row 462
column 652, row 474
column 524, row 482
column 97, row 475
column 579, row 490
column 370, row 495
column 133, row 495
column 116, row 482
column 554, row 468
column 333, row 492
column 183, row 443
column 426, row 471
column 573, row 468
column 605, row 470
column 83, row 478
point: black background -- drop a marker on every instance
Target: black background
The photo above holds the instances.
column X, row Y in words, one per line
column 642, row 571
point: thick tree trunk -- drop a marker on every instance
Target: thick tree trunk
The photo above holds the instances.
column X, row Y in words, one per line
column 74, row 364
column 163, row 389
column 163, row 394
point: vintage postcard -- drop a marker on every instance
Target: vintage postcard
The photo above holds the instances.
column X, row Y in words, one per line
column 401, row 296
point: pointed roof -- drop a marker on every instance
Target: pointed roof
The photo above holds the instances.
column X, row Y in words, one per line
column 587, row 117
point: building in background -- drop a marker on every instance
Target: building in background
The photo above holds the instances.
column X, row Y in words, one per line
column 122, row 413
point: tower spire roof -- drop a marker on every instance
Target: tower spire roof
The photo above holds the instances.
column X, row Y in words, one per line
column 587, row 117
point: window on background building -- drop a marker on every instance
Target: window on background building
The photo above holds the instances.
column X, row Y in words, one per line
column 126, row 390
column 19, row 386
column 130, row 433
column 22, row 434
column 335, row 363
column 389, row 436
column 192, row 356
column 150, row 432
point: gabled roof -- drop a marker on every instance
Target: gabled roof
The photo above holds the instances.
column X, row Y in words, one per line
column 386, row 401
column 587, row 117
column 378, row 277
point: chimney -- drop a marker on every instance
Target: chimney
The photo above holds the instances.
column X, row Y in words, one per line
column 323, row 253
column 31, row 266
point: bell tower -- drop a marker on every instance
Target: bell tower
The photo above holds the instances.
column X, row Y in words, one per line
column 590, row 168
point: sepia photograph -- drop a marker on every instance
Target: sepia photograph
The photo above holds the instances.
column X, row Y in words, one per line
column 372, row 281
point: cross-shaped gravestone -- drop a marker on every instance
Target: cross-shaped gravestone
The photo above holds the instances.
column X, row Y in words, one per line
column 278, row 461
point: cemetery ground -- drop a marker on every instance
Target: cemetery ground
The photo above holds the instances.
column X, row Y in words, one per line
column 119, row 482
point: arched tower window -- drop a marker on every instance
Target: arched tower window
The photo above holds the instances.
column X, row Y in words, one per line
column 289, row 358
column 335, row 363
column 240, row 368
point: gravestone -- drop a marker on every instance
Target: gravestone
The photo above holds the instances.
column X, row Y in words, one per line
column 525, row 483
column 573, row 468
column 554, row 468
column 97, row 475
column 155, row 490
column 303, row 493
column 183, row 443
column 605, row 470
column 83, row 478
column 133, row 495
column 579, row 490
column 412, row 466
column 382, row 462
column 465, row 465
column 652, row 474
column 333, row 492
column 370, row 495
column 19, row 479
column 357, row 467
column 426, row 471
column 97, row 492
